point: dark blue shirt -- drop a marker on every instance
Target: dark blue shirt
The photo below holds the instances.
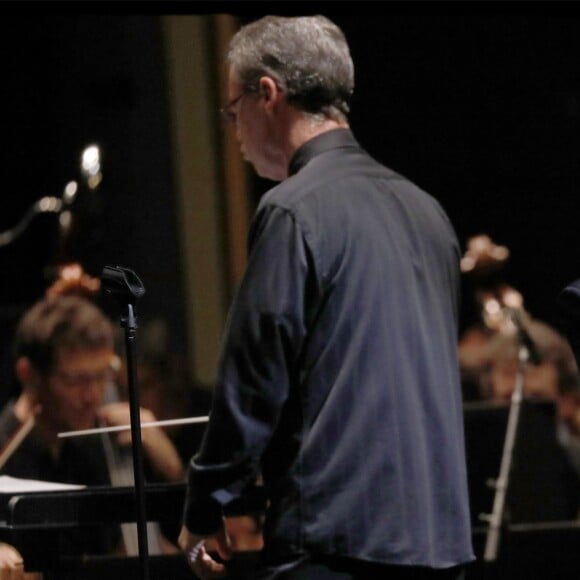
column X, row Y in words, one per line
column 339, row 377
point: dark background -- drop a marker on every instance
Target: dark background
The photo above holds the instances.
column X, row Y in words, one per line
column 70, row 80
column 483, row 111
column 480, row 106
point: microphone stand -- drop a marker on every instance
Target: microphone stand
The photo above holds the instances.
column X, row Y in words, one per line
column 126, row 287
column 91, row 171
column 501, row 483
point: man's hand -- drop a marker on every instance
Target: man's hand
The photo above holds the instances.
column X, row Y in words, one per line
column 197, row 549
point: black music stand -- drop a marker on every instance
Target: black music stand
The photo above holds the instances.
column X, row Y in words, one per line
column 34, row 522
column 542, row 496
column 126, row 287
column 37, row 522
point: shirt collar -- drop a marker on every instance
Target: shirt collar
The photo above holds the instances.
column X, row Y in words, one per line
column 326, row 141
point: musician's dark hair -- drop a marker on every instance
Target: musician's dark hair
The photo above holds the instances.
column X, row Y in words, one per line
column 307, row 56
column 61, row 322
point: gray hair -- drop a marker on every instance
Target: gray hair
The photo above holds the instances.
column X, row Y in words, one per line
column 307, row 56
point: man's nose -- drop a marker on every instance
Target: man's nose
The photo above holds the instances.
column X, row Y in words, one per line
column 93, row 392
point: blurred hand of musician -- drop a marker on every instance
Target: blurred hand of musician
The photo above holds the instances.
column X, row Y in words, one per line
column 200, row 552
column 161, row 452
column 27, row 405
column 12, row 565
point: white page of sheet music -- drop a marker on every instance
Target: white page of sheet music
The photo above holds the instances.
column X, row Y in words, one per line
column 10, row 484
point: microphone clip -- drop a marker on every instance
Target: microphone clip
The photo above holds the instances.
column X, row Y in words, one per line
column 125, row 286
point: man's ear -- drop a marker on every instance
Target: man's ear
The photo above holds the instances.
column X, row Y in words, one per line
column 268, row 89
column 27, row 375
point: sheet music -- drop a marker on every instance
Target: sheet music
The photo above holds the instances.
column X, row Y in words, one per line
column 15, row 485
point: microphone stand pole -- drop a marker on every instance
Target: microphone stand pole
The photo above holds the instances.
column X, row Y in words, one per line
column 501, row 483
column 126, row 287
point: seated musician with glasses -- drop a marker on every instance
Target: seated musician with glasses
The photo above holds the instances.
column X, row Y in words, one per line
column 65, row 363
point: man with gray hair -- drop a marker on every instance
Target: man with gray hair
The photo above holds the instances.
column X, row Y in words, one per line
column 338, row 382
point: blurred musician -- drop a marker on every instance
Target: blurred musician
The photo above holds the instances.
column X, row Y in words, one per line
column 489, row 350
column 481, row 266
column 552, row 377
column 65, row 363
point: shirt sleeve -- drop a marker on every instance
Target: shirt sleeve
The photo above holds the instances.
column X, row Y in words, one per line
column 262, row 341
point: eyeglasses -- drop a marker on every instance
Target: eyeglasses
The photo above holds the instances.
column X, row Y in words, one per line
column 71, row 380
column 227, row 113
